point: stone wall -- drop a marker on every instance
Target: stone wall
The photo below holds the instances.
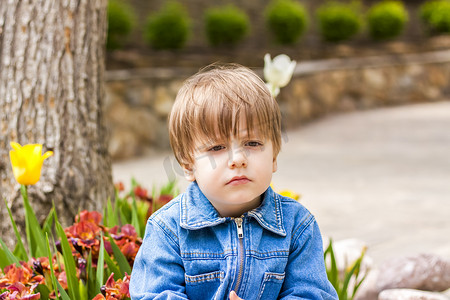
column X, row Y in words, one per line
column 138, row 101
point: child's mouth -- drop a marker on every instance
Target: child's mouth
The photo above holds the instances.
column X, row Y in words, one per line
column 238, row 180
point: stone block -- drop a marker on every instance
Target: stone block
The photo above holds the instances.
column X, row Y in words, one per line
column 163, row 101
column 143, row 124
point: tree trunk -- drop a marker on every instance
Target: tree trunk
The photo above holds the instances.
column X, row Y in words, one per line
column 51, row 92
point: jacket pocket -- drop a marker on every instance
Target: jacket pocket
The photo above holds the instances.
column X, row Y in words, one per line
column 271, row 285
column 203, row 286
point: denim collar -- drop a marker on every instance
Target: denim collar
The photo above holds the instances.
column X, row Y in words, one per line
column 197, row 212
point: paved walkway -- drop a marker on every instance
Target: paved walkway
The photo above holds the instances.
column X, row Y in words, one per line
column 382, row 176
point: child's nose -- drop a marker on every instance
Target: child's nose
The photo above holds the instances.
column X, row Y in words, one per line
column 238, row 158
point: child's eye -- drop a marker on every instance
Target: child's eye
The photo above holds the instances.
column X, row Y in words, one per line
column 253, row 144
column 216, row 148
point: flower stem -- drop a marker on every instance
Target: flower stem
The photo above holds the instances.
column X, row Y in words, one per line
column 24, row 192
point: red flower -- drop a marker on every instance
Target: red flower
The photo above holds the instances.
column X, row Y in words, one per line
column 164, row 199
column 129, row 232
column 119, row 186
column 115, row 290
column 140, row 192
column 85, row 233
column 18, row 291
column 130, row 250
column 62, row 278
column 128, row 241
column 89, row 216
column 22, row 274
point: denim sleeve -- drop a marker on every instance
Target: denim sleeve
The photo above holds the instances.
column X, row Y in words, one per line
column 158, row 271
column 306, row 276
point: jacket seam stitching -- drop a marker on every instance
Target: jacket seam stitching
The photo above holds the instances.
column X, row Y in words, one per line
column 165, row 229
column 302, row 227
column 278, row 214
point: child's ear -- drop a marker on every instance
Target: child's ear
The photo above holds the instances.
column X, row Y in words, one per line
column 189, row 172
column 274, row 165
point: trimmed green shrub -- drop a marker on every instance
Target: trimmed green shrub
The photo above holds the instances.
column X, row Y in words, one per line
column 387, row 19
column 287, row 20
column 168, row 28
column 435, row 15
column 338, row 21
column 120, row 24
column 226, row 25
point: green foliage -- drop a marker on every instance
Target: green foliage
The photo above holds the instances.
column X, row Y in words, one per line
column 84, row 280
column 338, row 21
column 168, row 28
column 226, row 25
column 435, row 15
column 387, row 19
column 35, row 236
column 135, row 206
column 120, row 23
column 347, row 282
column 69, row 263
column 287, row 20
column 19, row 251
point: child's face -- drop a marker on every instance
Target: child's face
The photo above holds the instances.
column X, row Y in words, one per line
column 233, row 174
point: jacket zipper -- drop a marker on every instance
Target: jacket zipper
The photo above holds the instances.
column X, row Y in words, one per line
column 240, row 232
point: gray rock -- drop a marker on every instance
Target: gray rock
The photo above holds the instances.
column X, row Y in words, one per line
column 424, row 272
column 408, row 294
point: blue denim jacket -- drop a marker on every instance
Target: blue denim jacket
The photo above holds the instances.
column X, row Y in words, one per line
column 271, row 252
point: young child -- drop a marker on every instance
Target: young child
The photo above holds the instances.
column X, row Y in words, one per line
column 229, row 235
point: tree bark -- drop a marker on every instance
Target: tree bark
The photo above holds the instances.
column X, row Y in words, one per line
column 51, row 92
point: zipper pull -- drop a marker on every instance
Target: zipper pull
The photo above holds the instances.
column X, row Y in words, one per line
column 240, row 230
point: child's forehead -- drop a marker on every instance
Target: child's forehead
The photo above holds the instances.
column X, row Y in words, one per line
column 240, row 126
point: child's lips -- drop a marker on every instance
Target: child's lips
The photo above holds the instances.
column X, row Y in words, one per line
column 238, row 180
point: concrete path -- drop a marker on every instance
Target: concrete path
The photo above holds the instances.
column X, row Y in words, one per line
column 382, row 176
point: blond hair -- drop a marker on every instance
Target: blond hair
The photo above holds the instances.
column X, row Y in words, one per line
column 210, row 104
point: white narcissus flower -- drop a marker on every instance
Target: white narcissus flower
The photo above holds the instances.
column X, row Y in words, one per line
column 278, row 72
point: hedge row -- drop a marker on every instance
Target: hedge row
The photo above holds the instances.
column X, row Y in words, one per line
column 286, row 20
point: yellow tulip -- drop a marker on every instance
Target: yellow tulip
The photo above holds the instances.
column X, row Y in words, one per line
column 287, row 193
column 27, row 161
column 290, row 194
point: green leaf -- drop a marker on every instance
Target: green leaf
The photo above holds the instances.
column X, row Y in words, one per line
column 4, row 261
column 31, row 242
column 169, row 188
column 47, row 227
column 63, row 293
column 355, row 289
column 43, row 290
column 333, row 272
column 124, row 266
column 113, row 267
column 125, row 212
column 83, row 290
column 100, row 263
column 135, row 218
column 20, row 251
column 35, row 235
column 91, row 280
column 111, row 219
column 52, row 273
column 348, row 276
column 69, row 263
column 10, row 258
